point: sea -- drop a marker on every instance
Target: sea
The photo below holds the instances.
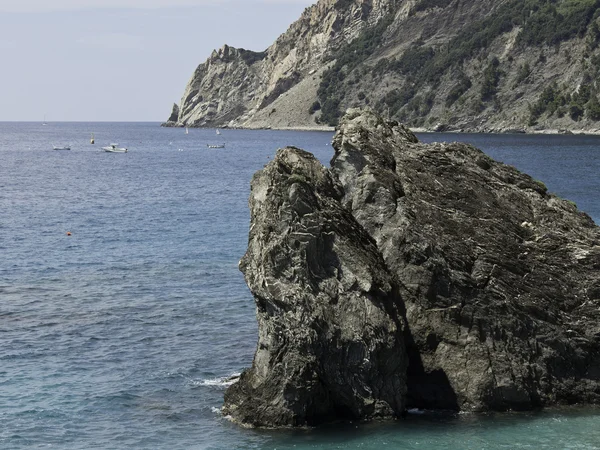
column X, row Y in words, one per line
column 123, row 312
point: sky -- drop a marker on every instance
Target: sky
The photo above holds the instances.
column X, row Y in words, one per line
column 120, row 60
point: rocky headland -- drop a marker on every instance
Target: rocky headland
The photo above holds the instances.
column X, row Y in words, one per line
column 412, row 275
column 439, row 65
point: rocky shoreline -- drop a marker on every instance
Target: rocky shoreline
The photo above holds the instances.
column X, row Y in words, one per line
column 579, row 132
column 413, row 276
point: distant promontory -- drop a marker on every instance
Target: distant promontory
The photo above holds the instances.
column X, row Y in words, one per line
column 440, row 65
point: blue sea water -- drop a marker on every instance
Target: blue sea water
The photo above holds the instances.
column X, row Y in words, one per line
column 120, row 335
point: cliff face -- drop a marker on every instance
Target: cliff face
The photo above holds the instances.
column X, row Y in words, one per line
column 234, row 84
column 494, row 281
column 473, row 65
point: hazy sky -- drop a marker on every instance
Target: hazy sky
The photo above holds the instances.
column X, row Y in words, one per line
column 120, row 60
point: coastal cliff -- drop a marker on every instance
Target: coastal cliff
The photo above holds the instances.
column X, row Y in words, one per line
column 464, row 65
column 492, row 281
column 238, row 87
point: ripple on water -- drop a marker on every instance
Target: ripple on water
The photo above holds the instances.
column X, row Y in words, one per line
column 125, row 334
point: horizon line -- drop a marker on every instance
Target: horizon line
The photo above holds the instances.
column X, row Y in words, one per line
column 80, row 121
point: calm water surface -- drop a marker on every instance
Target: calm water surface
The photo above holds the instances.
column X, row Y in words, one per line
column 119, row 336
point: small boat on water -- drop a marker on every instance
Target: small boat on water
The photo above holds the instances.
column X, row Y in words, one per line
column 92, row 140
column 216, row 146
column 187, row 131
column 218, row 131
column 63, row 147
column 114, row 148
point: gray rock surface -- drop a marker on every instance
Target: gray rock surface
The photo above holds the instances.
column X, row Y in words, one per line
column 279, row 87
column 330, row 342
column 501, row 279
column 239, row 88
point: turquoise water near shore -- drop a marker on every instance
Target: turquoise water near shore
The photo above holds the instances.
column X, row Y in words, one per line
column 122, row 334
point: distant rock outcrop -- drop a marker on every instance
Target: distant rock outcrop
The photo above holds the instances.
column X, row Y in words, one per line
column 496, row 280
column 330, row 330
column 172, row 121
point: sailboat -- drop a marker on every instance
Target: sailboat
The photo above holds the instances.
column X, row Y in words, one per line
column 92, row 139
column 186, row 130
column 44, row 122
column 218, row 132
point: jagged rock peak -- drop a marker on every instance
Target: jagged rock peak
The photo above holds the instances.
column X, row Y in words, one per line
column 500, row 278
column 371, row 137
column 237, row 87
column 330, row 342
column 174, row 113
column 531, row 67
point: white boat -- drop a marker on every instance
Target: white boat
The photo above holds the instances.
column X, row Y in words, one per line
column 187, row 131
column 63, row 147
column 218, row 132
column 114, row 148
column 92, row 140
column 216, row 146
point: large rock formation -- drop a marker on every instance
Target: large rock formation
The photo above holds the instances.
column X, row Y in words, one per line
column 498, row 283
column 173, row 118
column 477, row 65
column 330, row 330
column 501, row 279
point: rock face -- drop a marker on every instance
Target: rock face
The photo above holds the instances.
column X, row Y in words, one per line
column 235, row 85
column 330, row 330
column 500, row 277
column 496, row 280
column 172, row 121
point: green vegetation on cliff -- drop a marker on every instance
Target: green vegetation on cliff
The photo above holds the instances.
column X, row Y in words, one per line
column 553, row 101
column 332, row 88
column 422, row 67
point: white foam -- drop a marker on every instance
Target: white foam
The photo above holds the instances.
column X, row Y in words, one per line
column 220, row 381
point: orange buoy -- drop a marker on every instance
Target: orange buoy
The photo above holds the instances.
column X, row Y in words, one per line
column 68, row 233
